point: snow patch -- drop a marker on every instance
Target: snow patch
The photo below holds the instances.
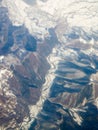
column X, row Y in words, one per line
column 48, row 14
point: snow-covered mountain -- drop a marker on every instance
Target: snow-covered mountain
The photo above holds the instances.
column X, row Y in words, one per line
column 39, row 16
column 48, row 64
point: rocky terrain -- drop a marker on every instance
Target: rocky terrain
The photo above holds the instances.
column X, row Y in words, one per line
column 48, row 65
column 23, row 66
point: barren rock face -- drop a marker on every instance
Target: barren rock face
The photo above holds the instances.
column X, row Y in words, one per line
column 10, row 106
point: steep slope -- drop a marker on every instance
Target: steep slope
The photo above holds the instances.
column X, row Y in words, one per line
column 48, row 64
column 23, row 66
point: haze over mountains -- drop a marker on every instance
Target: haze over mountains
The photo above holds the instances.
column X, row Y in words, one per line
column 48, row 65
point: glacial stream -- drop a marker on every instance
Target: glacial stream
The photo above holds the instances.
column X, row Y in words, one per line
column 53, row 60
